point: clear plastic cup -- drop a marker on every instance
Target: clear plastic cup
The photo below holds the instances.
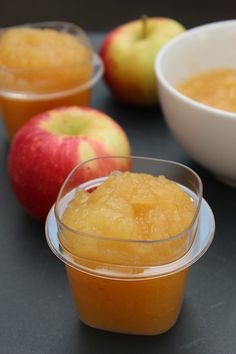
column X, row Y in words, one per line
column 110, row 290
column 27, row 92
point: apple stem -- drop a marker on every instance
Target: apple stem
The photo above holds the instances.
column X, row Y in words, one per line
column 144, row 19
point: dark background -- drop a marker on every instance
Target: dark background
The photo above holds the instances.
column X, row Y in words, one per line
column 101, row 15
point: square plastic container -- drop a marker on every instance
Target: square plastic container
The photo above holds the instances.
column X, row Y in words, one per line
column 25, row 92
column 110, row 290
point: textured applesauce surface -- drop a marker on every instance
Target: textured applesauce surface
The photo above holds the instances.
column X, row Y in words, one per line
column 31, row 54
column 216, row 88
column 129, row 206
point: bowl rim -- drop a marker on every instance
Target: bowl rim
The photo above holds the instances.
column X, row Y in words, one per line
column 161, row 79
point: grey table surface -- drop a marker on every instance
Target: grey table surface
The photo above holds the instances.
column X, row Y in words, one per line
column 37, row 315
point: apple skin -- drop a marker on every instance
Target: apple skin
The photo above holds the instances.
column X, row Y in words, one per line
column 128, row 53
column 44, row 151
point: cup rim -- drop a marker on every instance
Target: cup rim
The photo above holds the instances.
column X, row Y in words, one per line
column 162, row 79
column 170, row 238
column 202, row 242
column 32, row 96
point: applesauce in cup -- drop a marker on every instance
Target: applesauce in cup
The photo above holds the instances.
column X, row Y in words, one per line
column 44, row 66
column 128, row 239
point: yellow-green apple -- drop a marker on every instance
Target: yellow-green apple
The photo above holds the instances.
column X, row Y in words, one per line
column 129, row 52
column 51, row 144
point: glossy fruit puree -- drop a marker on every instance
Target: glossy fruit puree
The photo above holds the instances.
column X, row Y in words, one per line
column 216, row 88
column 128, row 221
column 35, row 63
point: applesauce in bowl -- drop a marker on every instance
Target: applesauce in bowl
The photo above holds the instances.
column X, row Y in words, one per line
column 127, row 240
column 215, row 88
column 44, row 66
column 206, row 133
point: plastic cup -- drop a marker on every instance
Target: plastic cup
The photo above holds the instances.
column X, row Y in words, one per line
column 110, row 290
column 27, row 92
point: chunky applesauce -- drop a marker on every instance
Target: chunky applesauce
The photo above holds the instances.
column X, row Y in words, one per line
column 216, row 88
column 130, row 220
column 34, row 62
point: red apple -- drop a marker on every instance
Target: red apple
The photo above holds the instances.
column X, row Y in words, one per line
column 129, row 52
column 51, row 144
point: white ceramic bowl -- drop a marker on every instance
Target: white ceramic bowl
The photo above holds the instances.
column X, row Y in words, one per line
column 207, row 134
